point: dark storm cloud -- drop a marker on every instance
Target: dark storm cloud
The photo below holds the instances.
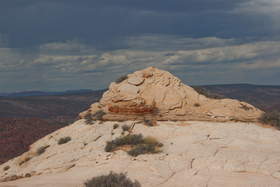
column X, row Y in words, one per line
column 99, row 22
column 72, row 44
column 159, row 5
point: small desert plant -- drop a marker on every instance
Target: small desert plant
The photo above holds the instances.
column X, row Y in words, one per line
column 125, row 127
column 121, row 78
column 42, row 149
column 25, row 160
column 126, row 140
column 116, row 126
column 245, row 107
column 98, row 115
column 6, row 168
column 88, row 119
column 271, row 118
column 149, row 122
column 196, row 105
column 143, row 149
column 112, row 180
column 64, row 140
column 139, row 145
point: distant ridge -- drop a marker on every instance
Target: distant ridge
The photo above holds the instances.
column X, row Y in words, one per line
column 42, row 93
column 212, row 87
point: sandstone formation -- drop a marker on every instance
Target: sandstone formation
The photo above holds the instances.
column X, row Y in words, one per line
column 195, row 154
column 154, row 93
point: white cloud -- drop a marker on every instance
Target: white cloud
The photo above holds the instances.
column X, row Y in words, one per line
column 188, row 57
column 170, row 42
column 270, row 8
column 237, row 53
column 261, row 6
column 186, row 52
column 68, row 47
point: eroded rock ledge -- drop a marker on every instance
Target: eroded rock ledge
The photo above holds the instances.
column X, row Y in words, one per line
column 154, row 93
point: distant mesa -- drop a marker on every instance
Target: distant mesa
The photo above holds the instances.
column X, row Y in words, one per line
column 154, row 93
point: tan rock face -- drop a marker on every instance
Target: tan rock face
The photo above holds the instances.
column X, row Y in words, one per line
column 135, row 80
column 152, row 90
column 195, row 154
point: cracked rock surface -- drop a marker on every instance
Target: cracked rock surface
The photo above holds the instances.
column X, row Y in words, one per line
column 196, row 154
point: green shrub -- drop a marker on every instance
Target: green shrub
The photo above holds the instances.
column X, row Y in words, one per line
column 126, row 140
column 271, row 118
column 148, row 122
column 98, row 115
column 143, row 149
column 245, row 107
column 121, row 78
column 116, row 126
column 64, row 140
column 42, row 149
column 88, row 119
column 25, row 160
column 111, row 180
column 139, row 144
column 6, row 168
column 125, row 127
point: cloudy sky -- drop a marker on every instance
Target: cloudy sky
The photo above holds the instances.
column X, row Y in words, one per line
column 70, row 44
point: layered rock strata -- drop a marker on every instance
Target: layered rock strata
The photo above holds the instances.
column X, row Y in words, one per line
column 157, row 94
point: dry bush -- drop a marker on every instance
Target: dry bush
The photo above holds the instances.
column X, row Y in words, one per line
column 98, row 115
column 149, row 122
column 125, row 128
column 139, row 145
column 42, row 149
column 126, row 140
column 245, row 107
column 64, row 140
column 6, row 168
column 88, row 119
column 271, row 118
column 143, row 149
column 116, row 126
column 24, row 160
column 112, row 180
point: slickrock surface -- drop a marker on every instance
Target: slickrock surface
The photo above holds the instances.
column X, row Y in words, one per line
column 154, row 93
column 195, row 154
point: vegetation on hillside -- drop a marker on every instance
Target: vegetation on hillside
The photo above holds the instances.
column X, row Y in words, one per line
column 64, row 140
column 136, row 144
column 112, row 180
column 271, row 118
